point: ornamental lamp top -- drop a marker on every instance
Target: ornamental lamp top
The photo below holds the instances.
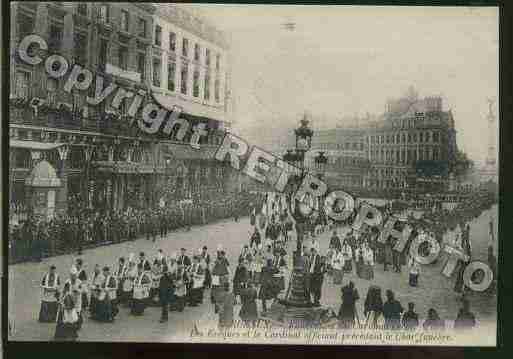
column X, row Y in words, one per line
column 304, row 131
column 321, row 158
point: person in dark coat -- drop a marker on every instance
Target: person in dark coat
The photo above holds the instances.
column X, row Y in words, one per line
column 268, row 288
column 316, row 272
column 392, row 310
column 465, row 318
column 165, row 288
column 410, row 318
column 347, row 313
column 335, row 242
column 67, row 320
column 206, row 262
column 240, row 277
column 373, row 307
column 255, row 239
column 226, row 303
column 433, row 321
column 248, row 295
column 388, row 254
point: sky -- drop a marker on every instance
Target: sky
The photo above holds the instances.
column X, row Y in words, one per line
column 346, row 60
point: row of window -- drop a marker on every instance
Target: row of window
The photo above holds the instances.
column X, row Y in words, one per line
column 388, row 184
column 418, row 121
column 405, row 156
column 184, row 78
column 104, row 15
column 354, row 146
column 185, row 48
column 382, row 172
column 421, row 137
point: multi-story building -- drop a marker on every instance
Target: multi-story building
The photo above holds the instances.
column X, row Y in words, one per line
column 99, row 158
column 346, row 149
column 412, row 146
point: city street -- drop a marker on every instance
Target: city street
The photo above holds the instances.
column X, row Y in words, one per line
column 434, row 289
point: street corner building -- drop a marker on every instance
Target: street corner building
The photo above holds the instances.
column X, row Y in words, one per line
column 65, row 154
column 411, row 147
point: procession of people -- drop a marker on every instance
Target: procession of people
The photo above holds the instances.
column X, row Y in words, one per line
column 257, row 278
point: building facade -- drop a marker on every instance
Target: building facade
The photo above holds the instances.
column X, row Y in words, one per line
column 411, row 147
column 346, row 149
column 101, row 157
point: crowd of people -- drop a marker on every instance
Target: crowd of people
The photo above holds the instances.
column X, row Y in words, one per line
column 178, row 280
column 35, row 238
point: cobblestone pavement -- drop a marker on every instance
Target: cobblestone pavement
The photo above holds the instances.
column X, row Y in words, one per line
column 434, row 289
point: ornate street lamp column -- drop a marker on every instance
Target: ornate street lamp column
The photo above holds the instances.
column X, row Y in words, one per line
column 296, row 305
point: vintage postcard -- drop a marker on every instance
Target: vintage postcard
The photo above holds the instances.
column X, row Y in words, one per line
column 209, row 173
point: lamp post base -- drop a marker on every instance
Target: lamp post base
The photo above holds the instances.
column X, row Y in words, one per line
column 282, row 314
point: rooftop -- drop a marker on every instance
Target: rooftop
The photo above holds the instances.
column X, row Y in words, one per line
column 193, row 23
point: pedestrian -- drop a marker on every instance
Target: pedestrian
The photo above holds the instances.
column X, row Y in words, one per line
column 316, row 274
column 49, row 296
column 414, row 272
column 227, row 301
column 367, row 271
column 240, row 278
column 392, row 310
column 165, row 288
column 433, row 321
column 255, row 239
column 281, row 264
column 388, row 257
column 268, row 288
column 119, row 274
column 180, row 292
column 184, row 259
column 66, row 328
column 73, row 286
column 220, row 274
column 410, row 319
column 142, row 284
column 465, row 319
column 335, row 241
column 347, row 252
column 206, row 264
column 373, row 306
column 197, row 275
column 129, row 276
column 156, row 273
column 97, row 280
column 347, row 313
column 105, row 309
column 144, row 262
column 248, row 312
column 337, row 265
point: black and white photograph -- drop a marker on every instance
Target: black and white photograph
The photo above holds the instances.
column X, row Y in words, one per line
column 252, row 174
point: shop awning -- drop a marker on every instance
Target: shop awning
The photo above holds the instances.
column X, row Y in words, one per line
column 34, row 145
